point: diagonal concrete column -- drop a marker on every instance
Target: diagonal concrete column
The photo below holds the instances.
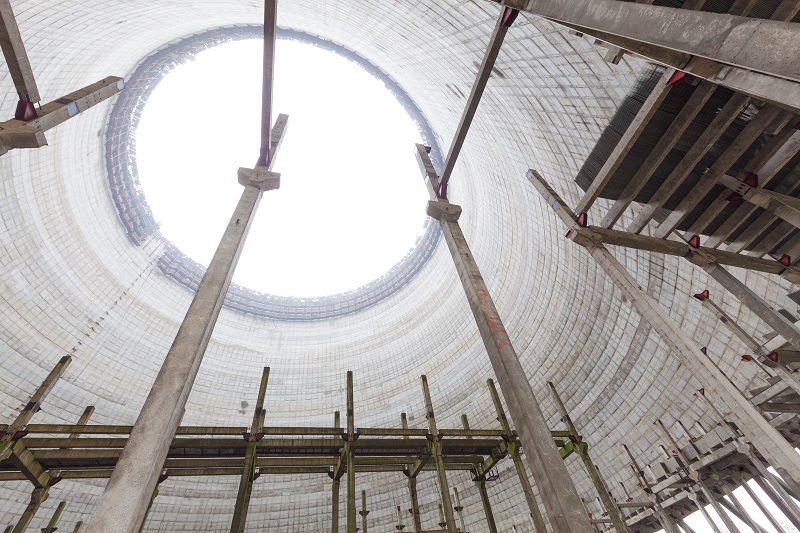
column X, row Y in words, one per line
column 487, row 505
column 763, row 508
column 123, row 504
column 561, row 501
column 609, row 503
column 351, row 457
column 765, row 438
column 533, row 507
column 459, row 509
column 51, row 525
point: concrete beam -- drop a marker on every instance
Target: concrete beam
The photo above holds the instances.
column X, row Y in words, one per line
column 750, row 44
column 729, row 156
column 16, row 57
column 436, row 448
column 504, row 21
column 710, row 135
column 682, row 120
column 527, row 490
column 771, row 444
column 559, row 494
column 614, row 512
column 626, row 142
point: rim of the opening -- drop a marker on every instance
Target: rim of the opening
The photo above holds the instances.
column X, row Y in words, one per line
column 140, row 226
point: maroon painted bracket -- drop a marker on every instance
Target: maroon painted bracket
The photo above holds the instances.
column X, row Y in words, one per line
column 702, row 296
column 25, row 111
column 509, row 16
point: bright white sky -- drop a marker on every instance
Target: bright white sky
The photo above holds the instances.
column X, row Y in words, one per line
column 352, row 199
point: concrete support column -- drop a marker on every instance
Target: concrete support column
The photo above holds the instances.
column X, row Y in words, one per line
column 533, row 506
column 744, row 515
column 758, row 350
column 723, row 514
column 771, row 444
column 351, row 458
column 666, row 521
column 78, row 527
column 561, row 500
column 335, row 489
column 149, row 507
column 609, row 503
column 123, row 504
column 781, row 500
column 412, row 488
column 487, row 505
column 763, row 508
column 249, row 467
column 755, row 303
column 702, row 508
column 436, row 448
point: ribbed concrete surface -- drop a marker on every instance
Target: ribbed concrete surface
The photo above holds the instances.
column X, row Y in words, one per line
column 72, row 283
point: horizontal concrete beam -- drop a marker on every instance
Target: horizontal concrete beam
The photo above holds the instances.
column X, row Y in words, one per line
column 753, row 44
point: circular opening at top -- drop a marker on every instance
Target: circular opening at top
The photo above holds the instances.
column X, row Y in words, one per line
column 351, row 201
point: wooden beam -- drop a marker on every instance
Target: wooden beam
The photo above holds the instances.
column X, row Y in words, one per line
column 504, row 21
column 626, row 142
column 682, row 120
column 16, row 57
column 713, row 131
column 33, row 406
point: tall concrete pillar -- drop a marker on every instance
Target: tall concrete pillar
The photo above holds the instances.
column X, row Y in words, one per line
column 436, row 446
column 51, row 525
column 412, row 488
column 363, row 512
column 781, row 501
column 560, row 497
column 122, row 506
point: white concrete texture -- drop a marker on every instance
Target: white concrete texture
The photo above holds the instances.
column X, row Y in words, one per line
column 71, row 282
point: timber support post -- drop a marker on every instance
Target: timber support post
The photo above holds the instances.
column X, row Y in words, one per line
column 363, row 512
column 610, row 504
column 249, row 471
column 51, row 525
column 460, row 510
column 435, row 445
column 757, row 430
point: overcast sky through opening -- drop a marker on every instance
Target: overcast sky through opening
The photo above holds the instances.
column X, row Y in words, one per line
column 352, row 200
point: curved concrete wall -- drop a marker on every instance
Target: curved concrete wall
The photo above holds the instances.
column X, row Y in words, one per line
column 72, row 283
